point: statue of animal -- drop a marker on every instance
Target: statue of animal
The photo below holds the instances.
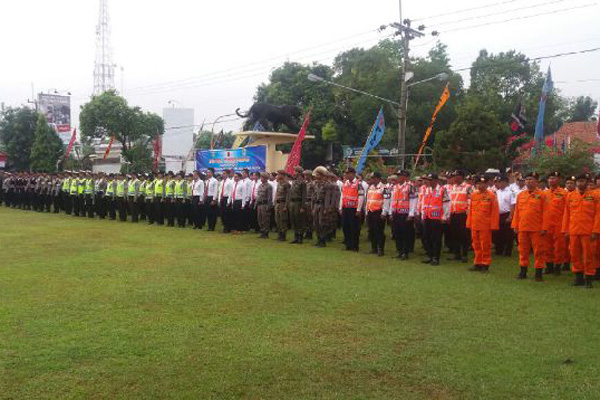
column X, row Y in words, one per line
column 275, row 116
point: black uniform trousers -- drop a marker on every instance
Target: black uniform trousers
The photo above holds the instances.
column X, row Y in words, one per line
column 225, row 214
column 76, row 205
column 404, row 233
column 133, row 208
column 237, row 214
column 351, row 228
column 67, row 205
column 376, row 226
column 170, row 210
column 210, row 211
column 504, row 236
column 122, row 206
column 432, row 230
column 159, row 210
column 179, row 206
column 141, row 205
column 100, row 205
column 89, row 205
column 111, row 202
column 150, row 211
column 197, row 210
column 459, row 234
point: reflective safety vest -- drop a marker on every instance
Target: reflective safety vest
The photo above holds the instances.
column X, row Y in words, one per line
column 401, row 199
column 459, row 198
column 89, row 186
column 142, row 188
column 179, row 192
column 66, row 185
column 110, row 189
column 120, row 188
column 433, row 203
column 73, row 188
column 350, row 192
column 170, row 189
column 375, row 198
column 158, row 187
column 131, row 187
column 149, row 189
column 81, row 186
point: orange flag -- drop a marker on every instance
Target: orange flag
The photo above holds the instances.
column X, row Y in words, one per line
column 443, row 100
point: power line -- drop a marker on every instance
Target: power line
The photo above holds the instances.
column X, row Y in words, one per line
column 521, row 18
column 168, row 83
column 569, row 53
column 466, row 10
column 548, row 3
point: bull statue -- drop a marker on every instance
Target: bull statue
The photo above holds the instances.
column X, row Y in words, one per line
column 271, row 116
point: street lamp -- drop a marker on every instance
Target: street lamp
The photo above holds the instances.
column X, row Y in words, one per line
column 442, row 76
column 316, row 78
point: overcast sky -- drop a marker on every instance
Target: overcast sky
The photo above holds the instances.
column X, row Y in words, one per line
column 213, row 54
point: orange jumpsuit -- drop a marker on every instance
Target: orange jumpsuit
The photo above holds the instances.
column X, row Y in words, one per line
column 580, row 220
column 528, row 220
column 483, row 217
column 554, row 241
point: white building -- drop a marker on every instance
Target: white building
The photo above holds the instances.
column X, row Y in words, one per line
column 178, row 139
column 112, row 163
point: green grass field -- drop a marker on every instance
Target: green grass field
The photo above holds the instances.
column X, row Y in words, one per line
column 101, row 309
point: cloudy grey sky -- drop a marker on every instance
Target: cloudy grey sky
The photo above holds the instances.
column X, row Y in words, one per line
column 211, row 55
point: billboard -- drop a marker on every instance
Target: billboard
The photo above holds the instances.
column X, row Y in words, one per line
column 254, row 158
column 57, row 110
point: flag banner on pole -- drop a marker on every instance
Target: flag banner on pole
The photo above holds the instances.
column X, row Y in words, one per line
column 71, row 143
column 598, row 127
column 518, row 120
column 539, row 125
column 443, row 100
column 372, row 141
column 294, row 157
column 156, row 151
column 107, row 152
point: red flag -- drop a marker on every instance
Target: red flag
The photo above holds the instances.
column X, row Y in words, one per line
column 294, row 157
column 156, row 151
column 112, row 139
column 71, row 143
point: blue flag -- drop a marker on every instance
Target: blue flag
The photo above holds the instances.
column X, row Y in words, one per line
column 539, row 125
column 372, row 141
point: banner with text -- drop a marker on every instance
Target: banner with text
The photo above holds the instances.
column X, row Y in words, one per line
column 57, row 110
column 254, row 158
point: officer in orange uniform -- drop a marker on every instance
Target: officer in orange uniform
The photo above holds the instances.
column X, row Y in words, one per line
column 483, row 218
column 403, row 206
column 581, row 223
column 460, row 191
column 554, row 241
column 528, row 223
column 351, row 207
column 570, row 187
column 435, row 211
column 377, row 199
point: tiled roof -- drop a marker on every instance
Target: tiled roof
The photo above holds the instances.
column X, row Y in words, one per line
column 587, row 132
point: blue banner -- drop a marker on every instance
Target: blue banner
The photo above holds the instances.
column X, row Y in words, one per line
column 254, row 158
column 539, row 125
column 373, row 140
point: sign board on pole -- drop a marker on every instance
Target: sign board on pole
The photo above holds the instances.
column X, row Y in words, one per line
column 57, row 110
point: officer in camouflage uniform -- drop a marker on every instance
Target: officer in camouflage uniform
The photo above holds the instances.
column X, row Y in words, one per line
column 318, row 201
column 264, row 205
column 310, row 188
column 281, row 210
column 331, row 206
column 297, row 205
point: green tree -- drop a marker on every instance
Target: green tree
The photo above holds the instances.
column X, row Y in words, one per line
column 582, row 108
column 17, row 133
column 576, row 159
column 47, row 147
column 474, row 141
column 109, row 114
column 204, row 139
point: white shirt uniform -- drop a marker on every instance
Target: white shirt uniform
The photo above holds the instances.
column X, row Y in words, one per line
column 238, row 192
column 198, row 189
column 506, row 199
column 248, row 184
column 225, row 188
column 274, row 185
column 213, row 188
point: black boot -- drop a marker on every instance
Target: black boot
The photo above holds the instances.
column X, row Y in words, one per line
column 476, row 268
column 523, row 273
column 557, row 269
column 579, row 281
column 281, row 237
column 597, row 276
column 295, row 241
column 539, row 277
column 300, row 240
column 588, row 281
column 567, row 266
column 309, row 235
column 485, row 269
column 549, row 268
column 404, row 257
column 427, row 261
column 435, row 261
column 264, row 235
